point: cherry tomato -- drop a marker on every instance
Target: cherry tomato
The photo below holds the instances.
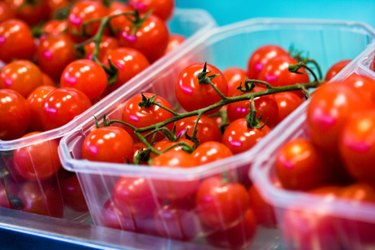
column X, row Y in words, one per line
column 32, row 12
column 86, row 76
column 150, row 37
column 5, row 198
column 362, row 85
column 54, row 27
column 238, row 137
column 357, row 145
column 117, row 23
column 234, row 76
column 174, row 189
column 55, row 5
column 141, row 117
column 108, row 144
column 174, row 41
column 47, row 81
column 33, row 165
column 6, row 11
column 54, row 53
column 211, row 151
column 207, row 128
column 160, row 8
column 164, row 144
column 111, row 216
column 328, row 110
column 260, row 57
column 62, row 105
column 335, row 69
column 11, row 33
column 72, row 194
column 239, row 236
column 22, row 76
column 263, row 211
column 300, row 165
column 14, row 114
column 107, row 43
column 287, row 103
column 221, row 204
column 193, row 94
column 358, row 193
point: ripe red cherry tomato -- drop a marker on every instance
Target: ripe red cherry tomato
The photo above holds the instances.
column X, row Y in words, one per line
column 211, row 151
column 164, row 144
column 297, row 159
column 238, row 137
column 287, row 103
column 117, row 23
column 234, row 76
column 6, row 11
column 107, row 43
column 263, row 211
column 31, row 12
column 47, row 81
column 193, row 94
column 221, row 204
column 358, row 193
column 14, row 114
column 150, row 37
column 175, row 40
column 328, row 110
column 108, row 144
column 72, row 193
column 174, row 189
column 86, row 76
column 357, row 145
column 11, row 33
column 111, row 216
column 160, row 8
column 22, row 76
column 362, row 85
column 62, row 105
column 260, row 57
column 54, row 27
column 335, row 69
column 207, row 128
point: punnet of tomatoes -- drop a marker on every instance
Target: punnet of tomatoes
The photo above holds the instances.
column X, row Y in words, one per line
column 60, row 60
column 319, row 176
column 171, row 157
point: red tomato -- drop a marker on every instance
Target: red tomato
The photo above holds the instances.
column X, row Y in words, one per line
column 116, row 8
column 165, row 144
column 234, row 76
column 6, row 11
column 145, row 116
column 211, row 151
column 47, row 81
column 62, row 105
column 41, row 198
column 265, row 106
column 107, row 43
column 33, row 165
column 238, row 137
column 54, row 53
column 193, row 94
column 150, row 37
column 174, row 41
column 72, row 194
column 358, row 193
column 362, row 85
column 299, row 159
column 54, row 27
column 239, row 236
column 22, row 76
column 14, row 114
column 263, row 211
column 160, row 8
column 86, row 76
column 221, row 204
column 11, row 33
column 32, row 12
column 8, row 197
column 287, row 103
column 357, row 145
column 111, row 216
column 174, row 189
column 207, row 128
column 108, row 144
column 328, row 111
column 260, row 57
column 335, row 69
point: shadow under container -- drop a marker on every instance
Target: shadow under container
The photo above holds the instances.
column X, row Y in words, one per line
column 326, row 41
column 47, row 196
column 310, row 221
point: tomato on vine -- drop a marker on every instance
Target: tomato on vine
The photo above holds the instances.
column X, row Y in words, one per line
column 161, row 8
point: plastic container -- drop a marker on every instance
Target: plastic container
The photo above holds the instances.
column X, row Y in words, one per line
column 192, row 23
column 309, row 221
column 326, row 41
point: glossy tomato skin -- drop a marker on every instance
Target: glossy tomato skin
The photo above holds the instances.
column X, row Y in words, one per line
column 160, row 8
column 117, row 23
column 62, row 105
column 72, row 194
column 22, row 76
column 328, row 111
column 362, row 85
column 86, row 76
column 14, row 114
column 221, row 204
column 151, row 38
column 287, row 103
column 54, row 27
column 38, row 161
column 174, row 41
column 336, row 68
column 164, row 144
column 106, row 43
column 193, row 95
column 260, row 57
column 357, row 145
column 234, row 76
column 211, row 151
column 11, row 32
column 108, row 144
column 239, row 138
column 174, row 189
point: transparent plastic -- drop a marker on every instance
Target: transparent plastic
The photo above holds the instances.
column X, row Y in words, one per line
column 325, row 41
column 192, row 23
column 308, row 221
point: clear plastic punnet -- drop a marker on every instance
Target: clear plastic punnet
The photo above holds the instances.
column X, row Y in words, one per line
column 325, row 41
column 49, row 194
column 307, row 220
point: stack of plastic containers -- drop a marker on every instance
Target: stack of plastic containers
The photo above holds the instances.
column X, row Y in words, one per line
column 325, row 41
